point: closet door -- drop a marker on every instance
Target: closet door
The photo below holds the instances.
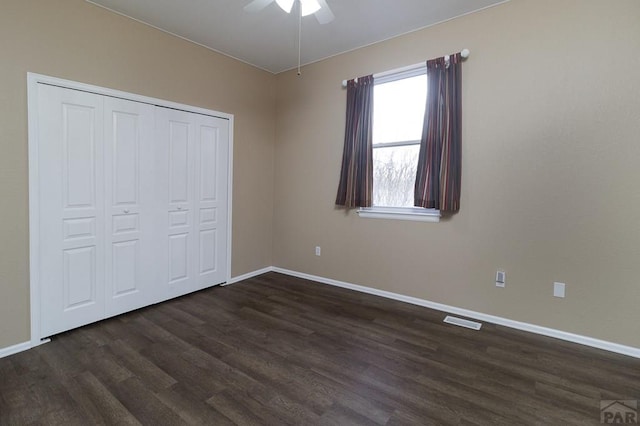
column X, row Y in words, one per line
column 131, row 205
column 175, row 134
column 71, row 208
column 192, row 169
column 130, row 273
column 211, row 168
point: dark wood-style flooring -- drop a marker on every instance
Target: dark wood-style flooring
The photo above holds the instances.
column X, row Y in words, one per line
column 277, row 350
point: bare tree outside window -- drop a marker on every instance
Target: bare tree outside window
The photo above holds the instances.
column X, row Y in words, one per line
column 394, row 175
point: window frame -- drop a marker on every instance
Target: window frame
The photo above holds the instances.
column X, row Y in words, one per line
column 416, row 214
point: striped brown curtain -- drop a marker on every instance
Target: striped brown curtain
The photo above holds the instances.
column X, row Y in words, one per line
column 440, row 160
column 356, row 177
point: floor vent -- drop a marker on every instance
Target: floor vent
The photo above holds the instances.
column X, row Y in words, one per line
column 463, row 322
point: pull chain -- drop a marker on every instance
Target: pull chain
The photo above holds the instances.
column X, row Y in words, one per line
column 299, row 33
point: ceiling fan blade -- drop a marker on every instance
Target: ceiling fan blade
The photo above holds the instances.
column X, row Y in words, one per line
column 257, row 5
column 324, row 15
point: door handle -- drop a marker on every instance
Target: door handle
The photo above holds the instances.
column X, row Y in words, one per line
column 126, row 211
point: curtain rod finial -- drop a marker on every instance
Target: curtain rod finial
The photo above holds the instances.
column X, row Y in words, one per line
column 465, row 53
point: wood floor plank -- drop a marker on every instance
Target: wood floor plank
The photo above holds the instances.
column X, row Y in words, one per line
column 145, row 406
column 153, row 376
column 230, row 377
column 241, row 411
column 280, row 350
column 203, row 382
column 339, row 415
column 190, row 408
column 107, row 405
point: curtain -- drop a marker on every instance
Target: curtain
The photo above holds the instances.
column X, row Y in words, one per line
column 356, row 176
column 440, row 161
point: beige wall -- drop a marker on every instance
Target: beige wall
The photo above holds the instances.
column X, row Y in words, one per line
column 551, row 172
column 75, row 40
column 550, row 156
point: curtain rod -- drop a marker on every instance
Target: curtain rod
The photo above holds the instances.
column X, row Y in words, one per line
column 464, row 53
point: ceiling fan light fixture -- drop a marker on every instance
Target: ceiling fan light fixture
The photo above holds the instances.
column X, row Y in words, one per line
column 285, row 5
column 308, row 6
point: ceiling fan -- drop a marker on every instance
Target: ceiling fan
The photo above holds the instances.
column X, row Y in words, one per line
column 305, row 7
column 318, row 7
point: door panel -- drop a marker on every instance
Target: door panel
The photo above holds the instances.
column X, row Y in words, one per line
column 79, row 157
column 211, row 186
column 71, row 209
column 125, row 267
column 179, row 161
column 125, row 223
column 179, row 219
column 129, row 178
column 208, row 216
column 79, row 277
column 175, row 137
column 178, row 258
column 208, row 258
column 125, row 144
column 84, row 227
column 208, row 162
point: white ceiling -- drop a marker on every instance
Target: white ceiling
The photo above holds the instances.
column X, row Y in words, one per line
column 268, row 39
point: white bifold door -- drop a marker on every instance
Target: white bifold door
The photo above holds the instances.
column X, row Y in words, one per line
column 71, row 207
column 193, row 196
column 132, row 205
column 130, row 255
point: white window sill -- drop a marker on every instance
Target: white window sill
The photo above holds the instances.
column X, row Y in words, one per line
column 400, row 213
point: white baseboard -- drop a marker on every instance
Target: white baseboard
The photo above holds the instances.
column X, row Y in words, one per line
column 249, row 275
column 531, row 328
column 10, row 350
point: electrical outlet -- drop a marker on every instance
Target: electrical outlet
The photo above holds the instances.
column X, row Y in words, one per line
column 501, row 278
column 559, row 289
column 318, row 251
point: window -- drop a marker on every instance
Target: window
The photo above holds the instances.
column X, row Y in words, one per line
column 399, row 101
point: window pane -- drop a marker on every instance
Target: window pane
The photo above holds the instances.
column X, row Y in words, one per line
column 394, row 175
column 398, row 109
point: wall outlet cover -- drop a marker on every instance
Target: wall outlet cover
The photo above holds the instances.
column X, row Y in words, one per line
column 558, row 289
